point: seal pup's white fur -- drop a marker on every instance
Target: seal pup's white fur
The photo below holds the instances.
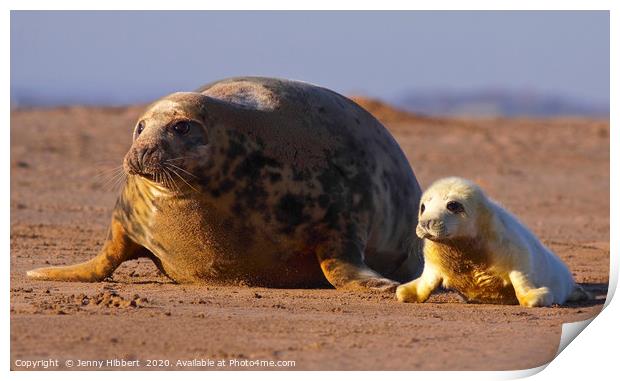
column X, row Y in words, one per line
column 473, row 245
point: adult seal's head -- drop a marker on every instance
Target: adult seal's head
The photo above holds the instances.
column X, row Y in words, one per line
column 170, row 140
column 267, row 182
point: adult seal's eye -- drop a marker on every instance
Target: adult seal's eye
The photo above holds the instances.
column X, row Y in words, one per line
column 139, row 128
column 182, row 128
column 455, row 207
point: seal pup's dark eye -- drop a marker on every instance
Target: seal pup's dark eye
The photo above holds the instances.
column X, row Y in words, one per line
column 422, row 207
column 181, row 128
column 455, row 207
column 140, row 128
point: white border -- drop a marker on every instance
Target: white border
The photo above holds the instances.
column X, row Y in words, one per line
column 591, row 355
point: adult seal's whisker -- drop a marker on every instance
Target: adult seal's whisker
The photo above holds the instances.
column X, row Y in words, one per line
column 173, row 181
column 105, row 172
column 182, row 179
column 107, row 175
column 178, row 158
column 119, row 182
column 168, row 180
column 110, row 183
column 183, row 170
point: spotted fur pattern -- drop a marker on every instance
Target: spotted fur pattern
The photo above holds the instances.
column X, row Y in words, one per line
column 279, row 183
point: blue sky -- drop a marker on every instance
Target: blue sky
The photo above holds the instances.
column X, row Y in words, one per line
column 129, row 57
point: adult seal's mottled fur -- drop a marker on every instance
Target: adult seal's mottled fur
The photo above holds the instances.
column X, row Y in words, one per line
column 267, row 182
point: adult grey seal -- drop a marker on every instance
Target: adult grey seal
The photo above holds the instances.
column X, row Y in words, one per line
column 264, row 181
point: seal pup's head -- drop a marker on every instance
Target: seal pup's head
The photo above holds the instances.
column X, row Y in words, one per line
column 170, row 140
column 451, row 209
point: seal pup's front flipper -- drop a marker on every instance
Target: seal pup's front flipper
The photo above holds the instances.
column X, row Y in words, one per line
column 419, row 290
column 117, row 249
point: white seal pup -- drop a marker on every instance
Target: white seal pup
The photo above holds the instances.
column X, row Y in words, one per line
column 474, row 246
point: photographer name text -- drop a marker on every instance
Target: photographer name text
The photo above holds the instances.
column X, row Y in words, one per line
column 48, row 364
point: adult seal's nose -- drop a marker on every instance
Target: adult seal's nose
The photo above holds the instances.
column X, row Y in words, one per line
column 137, row 159
column 148, row 156
column 144, row 156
